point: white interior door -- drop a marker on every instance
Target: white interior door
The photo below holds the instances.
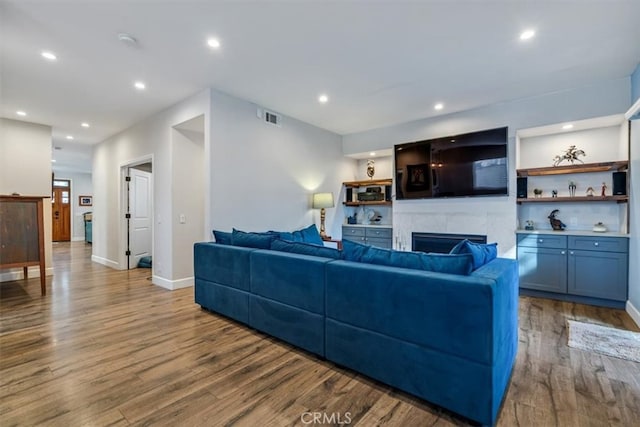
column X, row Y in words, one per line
column 140, row 208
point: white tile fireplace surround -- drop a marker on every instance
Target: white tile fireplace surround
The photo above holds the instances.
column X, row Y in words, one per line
column 496, row 220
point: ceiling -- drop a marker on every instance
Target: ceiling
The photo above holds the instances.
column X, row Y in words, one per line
column 379, row 62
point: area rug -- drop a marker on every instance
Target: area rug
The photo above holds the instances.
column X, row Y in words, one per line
column 602, row 339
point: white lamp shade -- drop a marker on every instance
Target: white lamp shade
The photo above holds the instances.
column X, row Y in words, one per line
column 322, row 200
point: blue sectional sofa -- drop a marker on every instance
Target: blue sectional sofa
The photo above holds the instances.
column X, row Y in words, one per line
column 449, row 339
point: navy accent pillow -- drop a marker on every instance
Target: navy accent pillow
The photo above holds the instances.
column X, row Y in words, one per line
column 352, row 251
column 222, row 237
column 252, row 240
column 448, row 263
column 306, row 235
column 305, row 249
column 481, row 253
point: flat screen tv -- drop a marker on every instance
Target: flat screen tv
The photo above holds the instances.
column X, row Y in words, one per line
column 471, row 164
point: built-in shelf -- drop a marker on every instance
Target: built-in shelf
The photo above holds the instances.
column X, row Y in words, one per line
column 374, row 202
column 354, row 186
column 581, row 168
column 619, row 199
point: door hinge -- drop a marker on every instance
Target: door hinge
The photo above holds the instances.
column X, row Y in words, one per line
column 128, row 253
column 127, row 216
column 127, row 178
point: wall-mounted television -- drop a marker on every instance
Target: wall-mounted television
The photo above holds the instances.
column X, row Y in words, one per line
column 471, row 164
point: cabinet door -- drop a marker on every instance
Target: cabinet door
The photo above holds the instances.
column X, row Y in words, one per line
column 543, row 269
column 381, row 243
column 598, row 274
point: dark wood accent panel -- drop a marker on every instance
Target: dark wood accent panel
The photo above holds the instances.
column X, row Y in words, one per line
column 22, row 235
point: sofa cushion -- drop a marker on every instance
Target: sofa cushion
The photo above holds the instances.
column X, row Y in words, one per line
column 252, row 240
column 439, row 263
column 353, row 251
column 222, row 237
column 305, row 235
column 481, row 253
column 305, row 249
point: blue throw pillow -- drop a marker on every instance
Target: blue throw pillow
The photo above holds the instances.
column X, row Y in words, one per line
column 481, row 253
column 305, row 249
column 352, row 251
column 252, row 240
column 308, row 235
column 222, row 237
column 447, row 263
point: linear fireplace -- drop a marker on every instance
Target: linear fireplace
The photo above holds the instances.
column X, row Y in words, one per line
column 441, row 242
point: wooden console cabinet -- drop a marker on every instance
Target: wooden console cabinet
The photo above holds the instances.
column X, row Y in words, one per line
column 22, row 234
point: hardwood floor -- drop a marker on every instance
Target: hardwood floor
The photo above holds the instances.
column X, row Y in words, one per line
column 106, row 347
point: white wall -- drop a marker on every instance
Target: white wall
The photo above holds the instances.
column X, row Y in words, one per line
column 263, row 176
column 80, row 186
column 493, row 216
column 150, row 138
column 25, row 168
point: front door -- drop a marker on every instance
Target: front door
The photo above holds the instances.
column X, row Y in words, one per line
column 61, row 211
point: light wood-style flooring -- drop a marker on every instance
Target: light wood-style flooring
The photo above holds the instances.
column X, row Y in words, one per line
column 106, row 347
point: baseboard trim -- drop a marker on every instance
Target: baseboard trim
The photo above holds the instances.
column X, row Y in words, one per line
column 172, row 285
column 16, row 273
column 77, row 239
column 105, row 261
column 633, row 312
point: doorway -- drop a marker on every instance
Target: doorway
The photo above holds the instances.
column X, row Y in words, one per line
column 61, row 210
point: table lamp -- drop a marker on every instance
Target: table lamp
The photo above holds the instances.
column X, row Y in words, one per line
column 322, row 201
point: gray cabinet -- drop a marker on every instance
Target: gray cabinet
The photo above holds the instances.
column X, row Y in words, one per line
column 589, row 269
column 374, row 236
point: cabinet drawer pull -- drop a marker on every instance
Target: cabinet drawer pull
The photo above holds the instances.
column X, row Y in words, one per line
column 540, row 240
column 571, row 252
column 562, row 252
column 596, row 244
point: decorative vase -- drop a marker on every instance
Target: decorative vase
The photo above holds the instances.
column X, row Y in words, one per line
column 371, row 169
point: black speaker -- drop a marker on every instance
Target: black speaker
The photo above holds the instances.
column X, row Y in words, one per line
column 521, row 191
column 387, row 193
column 349, row 194
column 619, row 183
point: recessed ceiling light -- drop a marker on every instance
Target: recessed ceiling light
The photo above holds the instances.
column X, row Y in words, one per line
column 323, row 99
column 213, row 43
column 69, row 137
column 127, row 39
column 439, row 106
column 85, row 125
column 49, row 55
column 21, row 113
column 140, row 85
column 567, row 126
column 373, row 153
column 527, row 34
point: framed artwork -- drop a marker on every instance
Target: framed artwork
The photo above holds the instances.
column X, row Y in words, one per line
column 418, row 177
column 85, row 200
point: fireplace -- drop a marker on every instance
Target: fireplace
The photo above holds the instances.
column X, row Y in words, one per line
column 441, row 242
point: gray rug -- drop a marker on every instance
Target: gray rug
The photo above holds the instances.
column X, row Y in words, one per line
column 602, row 339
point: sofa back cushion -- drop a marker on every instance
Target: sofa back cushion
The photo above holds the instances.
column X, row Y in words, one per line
column 440, row 263
column 481, row 253
column 305, row 249
column 252, row 240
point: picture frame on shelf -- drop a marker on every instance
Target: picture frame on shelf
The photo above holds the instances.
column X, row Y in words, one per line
column 85, row 200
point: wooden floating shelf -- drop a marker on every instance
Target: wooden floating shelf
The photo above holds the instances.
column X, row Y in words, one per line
column 373, row 202
column 367, row 183
column 581, row 168
column 619, row 199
